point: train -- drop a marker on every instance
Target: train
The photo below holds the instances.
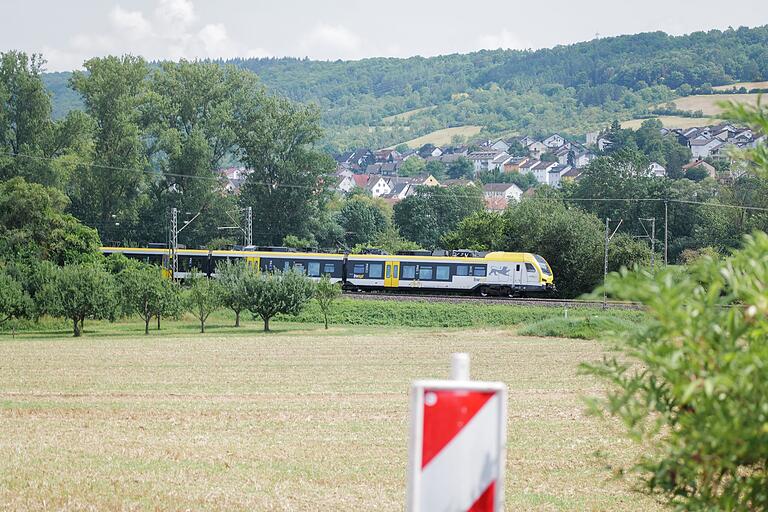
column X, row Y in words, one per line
column 511, row 274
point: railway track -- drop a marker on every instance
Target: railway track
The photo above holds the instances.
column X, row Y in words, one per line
column 459, row 299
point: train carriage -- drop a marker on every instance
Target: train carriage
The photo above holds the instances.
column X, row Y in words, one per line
column 494, row 273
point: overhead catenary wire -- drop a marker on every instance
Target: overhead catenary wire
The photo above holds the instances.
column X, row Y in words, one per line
column 161, row 174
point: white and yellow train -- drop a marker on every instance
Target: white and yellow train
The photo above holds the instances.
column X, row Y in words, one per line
column 493, row 273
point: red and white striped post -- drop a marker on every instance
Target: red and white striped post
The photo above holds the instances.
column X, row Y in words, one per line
column 458, row 439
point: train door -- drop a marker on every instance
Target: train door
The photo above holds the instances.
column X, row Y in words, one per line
column 517, row 273
column 252, row 261
column 391, row 274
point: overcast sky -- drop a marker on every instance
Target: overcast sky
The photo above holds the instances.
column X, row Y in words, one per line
column 69, row 31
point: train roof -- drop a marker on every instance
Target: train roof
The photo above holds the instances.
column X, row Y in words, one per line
column 491, row 256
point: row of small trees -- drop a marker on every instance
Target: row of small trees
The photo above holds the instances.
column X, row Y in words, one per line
column 122, row 288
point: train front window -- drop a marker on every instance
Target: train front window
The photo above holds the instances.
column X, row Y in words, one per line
column 543, row 264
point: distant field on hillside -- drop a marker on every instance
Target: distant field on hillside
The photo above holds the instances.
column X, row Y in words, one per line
column 404, row 116
column 708, row 103
column 441, row 137
column 674, row 122
column 746, row 85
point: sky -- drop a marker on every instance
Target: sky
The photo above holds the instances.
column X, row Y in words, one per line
column 69, row 32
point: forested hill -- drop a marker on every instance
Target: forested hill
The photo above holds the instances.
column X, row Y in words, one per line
column 568, row 88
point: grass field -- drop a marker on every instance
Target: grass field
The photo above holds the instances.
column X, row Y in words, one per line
column 300, row 419
column 739, row 85
column 708, row 103
column 443, row 137
column 404, row 116
column 673, row 122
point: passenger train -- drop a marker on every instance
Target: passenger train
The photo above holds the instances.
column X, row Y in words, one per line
column 494, row 273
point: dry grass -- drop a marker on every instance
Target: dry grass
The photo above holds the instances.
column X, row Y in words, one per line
column 295, row 420
column 442, row 137
column 708, row 103
column 404, row 116
column 739, row 85
column 674, row 122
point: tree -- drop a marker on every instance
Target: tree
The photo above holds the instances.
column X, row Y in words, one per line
column 14, row 301
column 326, row 293
column 435, row 168
column 460, row 168
column 433, row 211
column 270, row 293
column 412, row 166
column 81, row 291
column 693, row 382
column 285, row 189
column 232, row 276
column 171, row 302
column 203, row 297
column 402, row 148
column 142, row 291
column 481, row 231
column 33, row 225
column 107, row 189
column 32, row 144
column 362, row 219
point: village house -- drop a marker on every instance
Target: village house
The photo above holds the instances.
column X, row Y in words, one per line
column 701, row 164
column 556, row 173
column 656, row 169
column 498, row 195
column 541, row 171
column 554, row 141
column 481, row 160
column 235, row 177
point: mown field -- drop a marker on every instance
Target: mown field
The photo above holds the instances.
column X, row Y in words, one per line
column 739, row 85
column 297, row 419
column 709, row 103
column 444, row 136
column 674, row 122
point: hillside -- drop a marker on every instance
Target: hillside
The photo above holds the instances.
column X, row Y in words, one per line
column 570, row 88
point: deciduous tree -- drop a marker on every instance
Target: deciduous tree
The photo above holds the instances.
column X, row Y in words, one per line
column 271, row 293
column 326, row 293
column 203, row 297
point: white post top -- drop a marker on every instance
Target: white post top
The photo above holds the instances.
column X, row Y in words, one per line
column 460, row 366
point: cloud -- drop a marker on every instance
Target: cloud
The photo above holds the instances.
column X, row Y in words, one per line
column 132, row 23
column 170, row 31
column 505, row 40
column 330, row 42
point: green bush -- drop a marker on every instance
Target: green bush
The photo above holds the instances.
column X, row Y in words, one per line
column 693, row 387
column 588, row 327
column 430, row 314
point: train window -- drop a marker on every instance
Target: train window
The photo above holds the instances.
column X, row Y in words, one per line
column 425, row 273
column 388, row 272
column 394, row 271
column 375, row 270
column 517, row 268
column 479, row 271
column 313, row 269
column 286, row 266
column 530, row 268
column 443, row 273
column 462, row 270
column 359, row 268
column 409, row 272
column 329, row 268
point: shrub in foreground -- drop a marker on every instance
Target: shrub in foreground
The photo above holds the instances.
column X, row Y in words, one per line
column 694, row 389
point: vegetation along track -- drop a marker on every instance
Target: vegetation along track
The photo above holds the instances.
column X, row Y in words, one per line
column 458, row 299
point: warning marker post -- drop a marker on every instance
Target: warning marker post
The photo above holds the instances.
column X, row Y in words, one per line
column 457, row 444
